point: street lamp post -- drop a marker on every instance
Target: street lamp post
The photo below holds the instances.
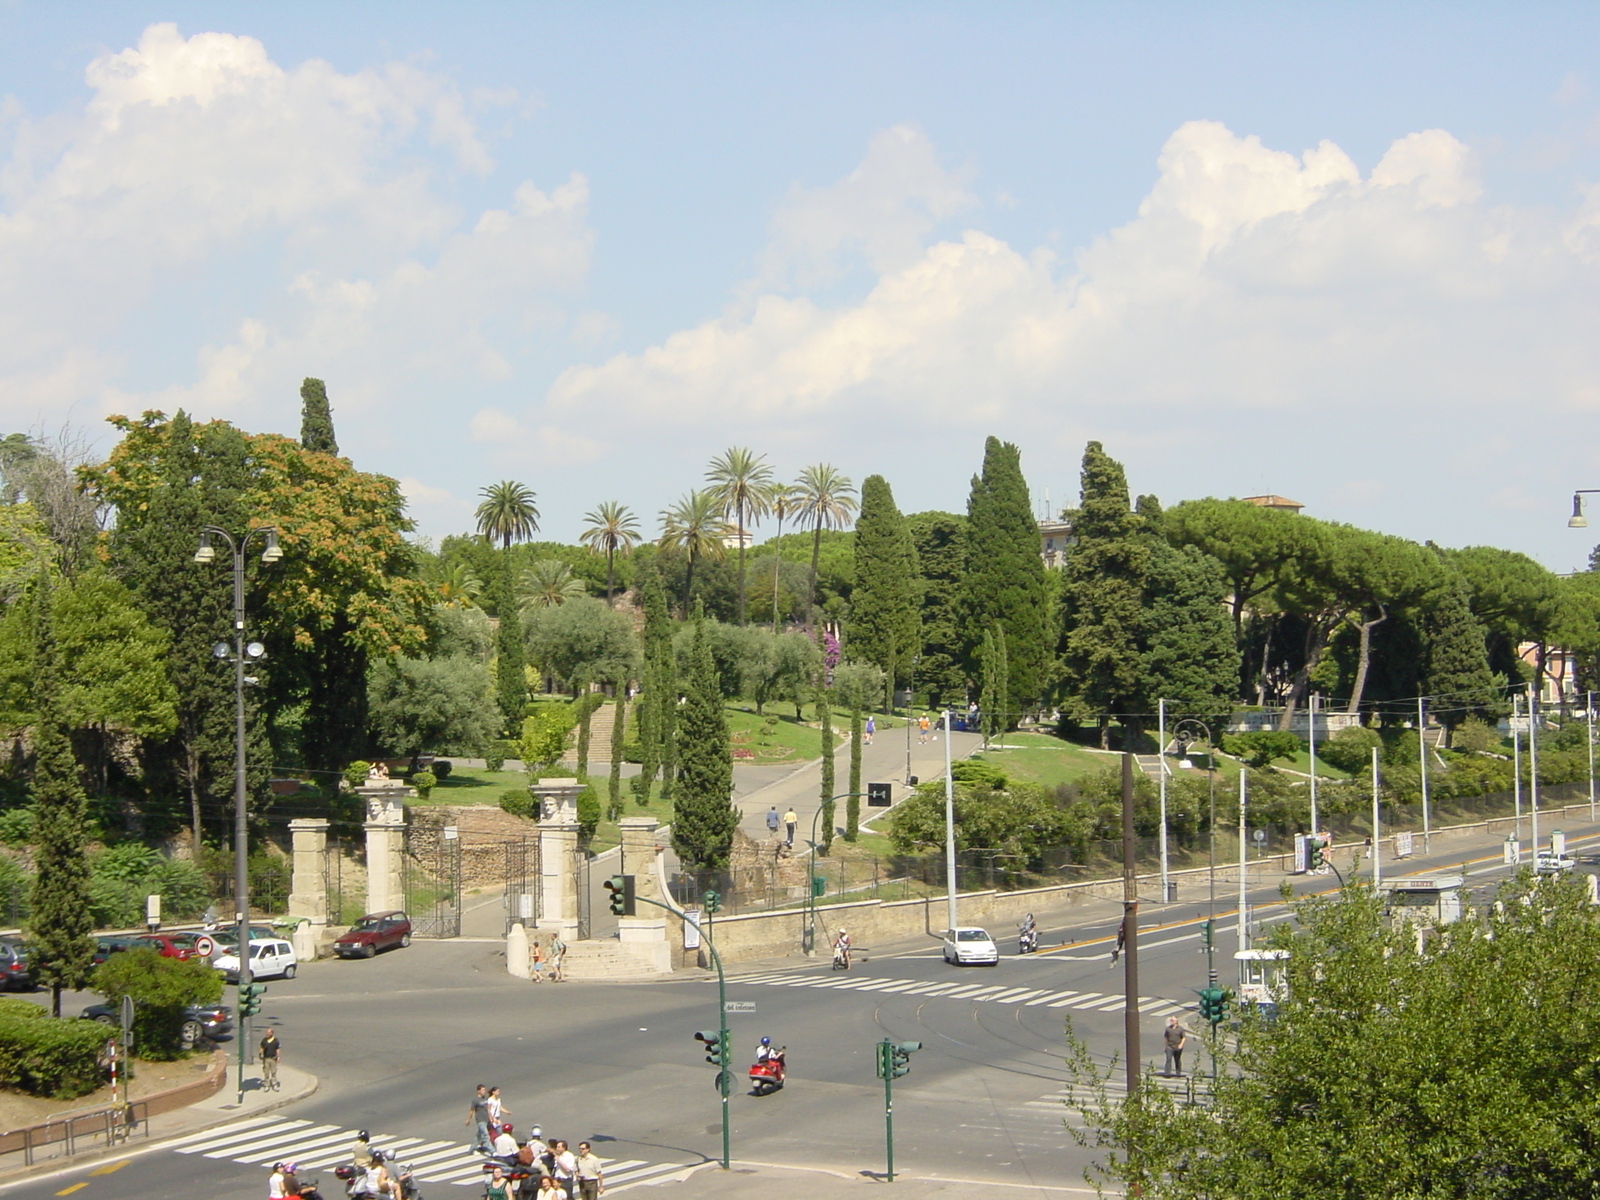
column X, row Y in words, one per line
column 811, row 875
column 240, row 652
column 1178, row 733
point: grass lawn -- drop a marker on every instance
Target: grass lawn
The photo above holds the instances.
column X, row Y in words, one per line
column 778, row 737
column 474, row 785
column 1044, row 759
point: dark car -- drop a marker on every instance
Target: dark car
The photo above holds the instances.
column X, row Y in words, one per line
column 171, row 945
column 374, row 932
column 199, row 1020
column 14, row 973
column 108, row 944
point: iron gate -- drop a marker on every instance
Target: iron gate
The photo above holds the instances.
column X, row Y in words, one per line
column 522, row 882
column 431, row 882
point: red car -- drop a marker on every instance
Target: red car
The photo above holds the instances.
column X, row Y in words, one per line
column 171, row 945
column 374, row 932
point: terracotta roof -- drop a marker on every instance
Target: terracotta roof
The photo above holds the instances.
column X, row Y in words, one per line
column 1273, row 502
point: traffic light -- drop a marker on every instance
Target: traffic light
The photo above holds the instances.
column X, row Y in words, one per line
column 619, row 891
column 900, row 1057
column 250, row 998
column 1213, row 1004
column 713, row 1041
column 1317, row 857
column 712, row 902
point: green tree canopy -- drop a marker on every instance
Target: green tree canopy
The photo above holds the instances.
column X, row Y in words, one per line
column 940, row 540
column 704, row 817
column 431, row 706
column 316, row 418
column 583, row 639
column 882, row 629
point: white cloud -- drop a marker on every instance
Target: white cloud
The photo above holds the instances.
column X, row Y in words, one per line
column 512, row 442
column 327, row 196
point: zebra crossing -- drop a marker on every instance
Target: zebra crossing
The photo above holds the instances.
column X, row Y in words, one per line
column 262, row 1141
column 1155, row 1006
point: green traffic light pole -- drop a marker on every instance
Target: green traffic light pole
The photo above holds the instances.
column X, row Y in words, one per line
column 724, row 1074
column 810, row 943
column 893, row 1059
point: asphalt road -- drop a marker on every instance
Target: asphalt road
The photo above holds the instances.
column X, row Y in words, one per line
column 399, row 1041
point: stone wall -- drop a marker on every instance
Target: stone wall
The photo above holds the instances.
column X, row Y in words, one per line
column 484, row 833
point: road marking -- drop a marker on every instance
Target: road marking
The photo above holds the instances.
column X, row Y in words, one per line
column 111, row 1168
column 67, row 1191
column 272, row 1130
column 1119, row 1002
column 1051, row 998
column 987, row 993
column 1019, row 994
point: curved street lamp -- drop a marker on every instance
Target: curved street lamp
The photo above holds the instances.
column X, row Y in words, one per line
column 810, row 946
column 241, row 652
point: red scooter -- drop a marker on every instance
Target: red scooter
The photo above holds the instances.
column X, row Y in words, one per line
column 766, row 1076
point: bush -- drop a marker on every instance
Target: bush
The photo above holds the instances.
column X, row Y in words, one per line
column 424, row 782
column 161, row 988
column 1472, row 735
column 441, row 768
column 519, row 803
column 1351, row 749
column 1260, row 748
column 49, row 1056
column 16, row 826
column 589, row 810
column 633, row 752
column 494, row 758
column 979, row 774
column 356, row 773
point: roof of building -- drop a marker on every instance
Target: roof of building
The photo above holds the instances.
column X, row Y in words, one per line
column 1274, row 502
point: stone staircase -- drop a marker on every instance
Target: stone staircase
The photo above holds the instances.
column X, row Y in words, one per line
column 604, row 958
column 1151, row 764
column 600, row 726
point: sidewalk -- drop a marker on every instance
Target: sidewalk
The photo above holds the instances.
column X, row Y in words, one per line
column 218, row 1109
column 773, row 1182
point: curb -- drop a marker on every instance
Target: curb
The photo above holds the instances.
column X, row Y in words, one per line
column 57, row 1166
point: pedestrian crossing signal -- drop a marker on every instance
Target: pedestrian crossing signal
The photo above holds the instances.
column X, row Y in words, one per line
column 619, row 892
column 900, row 1057
column 879, row 794
column 250, row 998
column 1213, row 1004
column 713, row 1040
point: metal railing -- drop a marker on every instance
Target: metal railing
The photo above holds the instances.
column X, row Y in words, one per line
column 112, row 1124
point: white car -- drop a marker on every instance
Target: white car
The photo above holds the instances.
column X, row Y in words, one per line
column 1548, row 862
column 269, row 958
column 970, row 945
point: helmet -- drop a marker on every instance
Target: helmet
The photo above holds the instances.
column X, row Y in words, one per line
column 291, row 1168
column 377, row 1156
column 536, row 1132
column 278, row 1167
column 506, row 1128
column 766, row 1041
column 362, row 1135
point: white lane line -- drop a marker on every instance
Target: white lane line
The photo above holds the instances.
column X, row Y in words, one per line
column 270, row 1131
column 899, row 987
column 941, row 989
column 1072, row 998
column 875, row 985
column 639, row 1176
column 209, row 1137
column 987, row 993
column 1119, row 1002
column 922, row 989
column 854, row 983
column 301, row 1149
column 1014, row 998
column 964, row 990
column 1186, row 937
column 1047, row 998
column 255, row 1149
column 833, row 983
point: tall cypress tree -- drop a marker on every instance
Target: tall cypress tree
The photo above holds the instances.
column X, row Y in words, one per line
column 619, row 740
column 1005, row 576
column 1456, row 659
column 511, row 680
column 852, row 805
column 940, row 539
column 659, row 699
column 1103, row 598
column 61, row 948
column 703, row 816
column 1190, row 657
column 825, row 718
column 316, row 418
column 995, row 703
column 882, row 629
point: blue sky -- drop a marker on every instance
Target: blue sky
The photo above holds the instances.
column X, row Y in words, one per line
column 1350, row 254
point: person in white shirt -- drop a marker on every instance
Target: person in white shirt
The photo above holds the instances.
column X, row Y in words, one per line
column 566, row 1167
column 591, row 1174
column 504, row 1146
column 275, row 1184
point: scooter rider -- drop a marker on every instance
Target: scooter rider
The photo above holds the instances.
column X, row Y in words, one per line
column 764, row 1051
column 841, row 948
column 1028, row 934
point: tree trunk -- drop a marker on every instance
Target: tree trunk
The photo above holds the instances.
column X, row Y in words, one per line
column 1317, row 635
column 811, row 585
column 688, row 586
column 777, row 561
column 1364, row 660
column 739, row 522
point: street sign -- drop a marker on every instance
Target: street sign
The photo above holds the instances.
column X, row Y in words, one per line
column 1261, row 835
column 1403, row 845
column 738, row 1006
column 691, row 929
column 879, row 795
column 127, row 1015
column 204, row 946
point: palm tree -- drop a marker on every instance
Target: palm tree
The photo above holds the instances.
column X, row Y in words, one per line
column 457, row 586
column 696, row 526
column 781, row 501
column 507, row 514
column 827, row 501
column 547, row 584
column 612, row 527
column 739, row 480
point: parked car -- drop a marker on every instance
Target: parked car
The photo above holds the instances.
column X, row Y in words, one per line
column 108, row 944
column 199, row 1020
column 14, row 972
column 269, row 958
column 374, row 932
column 171, row 945
column 970, row 945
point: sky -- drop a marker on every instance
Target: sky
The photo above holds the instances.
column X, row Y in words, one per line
column 1348, row 254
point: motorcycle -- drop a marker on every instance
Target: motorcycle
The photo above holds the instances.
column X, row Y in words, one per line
column 767, row 1075
column 841, row 958
column 1027, row 940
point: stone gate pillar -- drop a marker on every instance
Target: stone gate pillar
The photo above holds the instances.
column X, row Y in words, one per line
column 308, row 883
column 386, row 830
column 558, row 856
column 644, row 934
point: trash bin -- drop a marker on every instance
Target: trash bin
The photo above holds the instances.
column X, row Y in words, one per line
column 1172, row 891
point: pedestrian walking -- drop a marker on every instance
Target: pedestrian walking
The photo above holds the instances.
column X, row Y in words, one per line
column 498, row 1112
column 772, row 820
column 922, row 728
column 566, row 1168
column 271, row 1048
column 1176, row 1037
column 478, row 1118
column 872, row 728
column 591, row 1173
column 536, row 961
column 790, row 820
column 558, row 955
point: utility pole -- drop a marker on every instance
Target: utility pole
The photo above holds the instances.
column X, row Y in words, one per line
column 1130, row 931
column 950, row 827
column 1422, row 746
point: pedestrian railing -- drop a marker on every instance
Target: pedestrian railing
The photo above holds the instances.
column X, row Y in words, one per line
column 96, row 1126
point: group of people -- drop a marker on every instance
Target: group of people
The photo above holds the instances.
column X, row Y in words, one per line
column 538, row 959
column 789, row 820
column 536, row 1167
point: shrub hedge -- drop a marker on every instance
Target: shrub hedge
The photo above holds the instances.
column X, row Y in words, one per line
column 48, row 1056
